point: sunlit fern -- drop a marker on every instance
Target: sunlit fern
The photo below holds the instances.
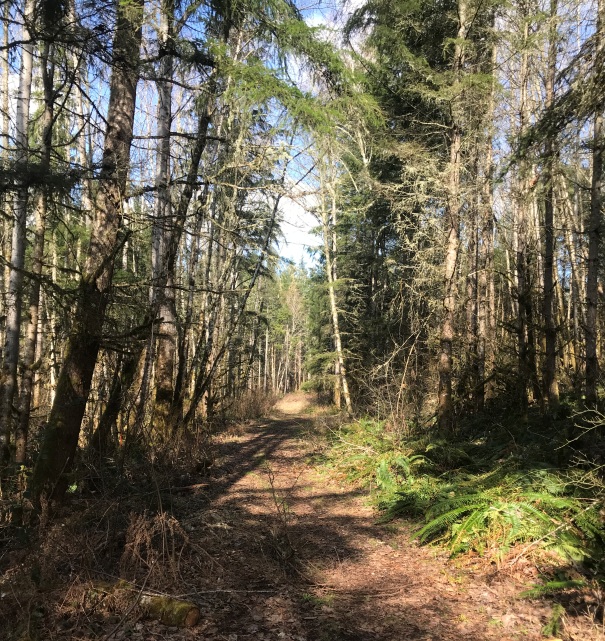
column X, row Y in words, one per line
column 552, row 587
column 518, row 508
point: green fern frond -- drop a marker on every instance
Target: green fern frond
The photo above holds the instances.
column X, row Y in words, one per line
column 532, row 512
column 467, row 528
column 384, row 477
column 548, row 501
column 590, row 523
column 551, row 587
column 452, row 502
column 444, row 521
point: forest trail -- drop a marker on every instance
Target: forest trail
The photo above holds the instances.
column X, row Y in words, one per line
column 270, row 547
column 297, row 556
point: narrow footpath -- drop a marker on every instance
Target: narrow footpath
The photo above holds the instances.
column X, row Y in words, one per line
column 289, row 554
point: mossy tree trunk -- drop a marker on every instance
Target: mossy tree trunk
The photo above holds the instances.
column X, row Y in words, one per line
column 445, row 411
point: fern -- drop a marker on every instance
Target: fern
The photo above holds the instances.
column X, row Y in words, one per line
column 452, row 502
column 553, row 627
column 408, row 463
column 467, row 529
column 552, row 587
column 476, row 496
column 590, row 524
column 439, row 524
column 498, row 517
column 384, row 478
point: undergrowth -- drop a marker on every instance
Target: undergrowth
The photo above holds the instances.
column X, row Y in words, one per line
column 500, row 492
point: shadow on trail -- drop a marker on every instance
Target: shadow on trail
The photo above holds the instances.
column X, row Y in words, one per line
column 239, row 458
column 271, row 551
column 275, row 537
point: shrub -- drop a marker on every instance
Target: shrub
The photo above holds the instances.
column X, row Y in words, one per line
column 482, row 495
column 250, row 405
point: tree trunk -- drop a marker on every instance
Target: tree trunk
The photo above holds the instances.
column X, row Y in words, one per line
column 185, row 339
column 485, row 276
column 329, row 239
column 76, row 62
column 551, row 383
column 162, row 291
column 218, row 326
column 15, row 284
column 575, row 316
column 171, row 396
column 4, row 157
column 61, row 437
column 123, row 378
column 468, row 381
column 445, row 411
column 524, row 207
column 594, row 237
column 31, row 337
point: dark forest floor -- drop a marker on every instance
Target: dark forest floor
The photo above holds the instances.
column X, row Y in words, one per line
column 271, row 549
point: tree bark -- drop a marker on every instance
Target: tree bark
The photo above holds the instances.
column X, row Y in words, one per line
column 4, row 156
column 17, row 263
column 76, row 63
column 329, row 241
column 525, row 215
column 575, row 315
column 551, row 383
column 31, row 337
column 57, row 452
column 445, row 410
column 162, row 290
column 485, row 276
column 123, row 378
column 594, row 237
column 172, row 400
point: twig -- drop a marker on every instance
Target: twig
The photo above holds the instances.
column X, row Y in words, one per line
column 542, row 538
column 350, row 591
column 130, row 609
column 225, row 591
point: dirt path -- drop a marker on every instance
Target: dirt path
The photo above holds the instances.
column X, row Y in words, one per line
column 299, row 557
column 269, row 549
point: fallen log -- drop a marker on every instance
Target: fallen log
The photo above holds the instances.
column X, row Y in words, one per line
column 158, row 607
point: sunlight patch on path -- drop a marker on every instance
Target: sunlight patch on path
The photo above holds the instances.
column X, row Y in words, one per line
column 295, row 403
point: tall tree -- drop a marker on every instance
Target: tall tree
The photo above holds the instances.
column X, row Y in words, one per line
column 162, row 285
column 41, row 210
column 551, row 383
column 57, row 452
column 595, row 228
column 485, row 258
column 452, row 225
column 328, row 210
column 17, row 261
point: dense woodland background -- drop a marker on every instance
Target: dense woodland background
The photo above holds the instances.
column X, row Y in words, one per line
column 451, row 152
